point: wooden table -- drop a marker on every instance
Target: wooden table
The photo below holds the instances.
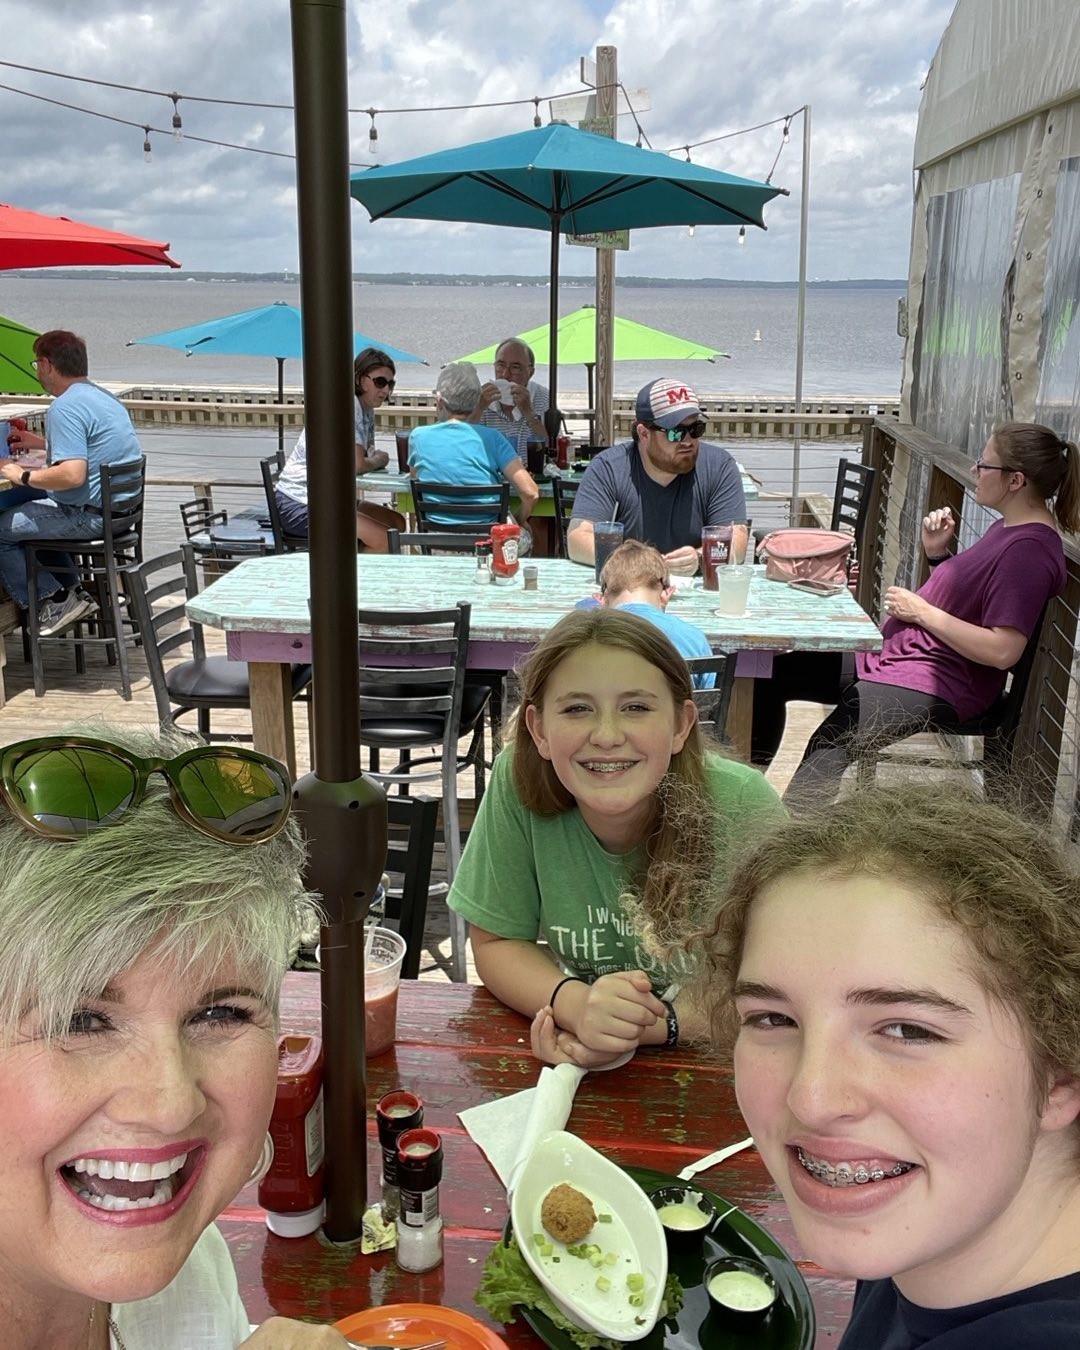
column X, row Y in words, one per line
column 263, row 607
column 457, row 1047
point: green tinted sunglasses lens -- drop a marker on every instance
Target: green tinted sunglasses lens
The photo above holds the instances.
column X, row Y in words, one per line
column 73, row 789
column 233, row 796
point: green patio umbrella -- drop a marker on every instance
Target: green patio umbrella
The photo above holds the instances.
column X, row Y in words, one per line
column 16, row 359
column 576, row 344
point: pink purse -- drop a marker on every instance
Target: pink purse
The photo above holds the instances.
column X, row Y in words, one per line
column 806, row 555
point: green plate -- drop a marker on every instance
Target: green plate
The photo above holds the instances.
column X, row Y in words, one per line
column 790, row 1325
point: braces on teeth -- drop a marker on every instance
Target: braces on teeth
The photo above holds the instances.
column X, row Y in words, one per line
column 845, row 1174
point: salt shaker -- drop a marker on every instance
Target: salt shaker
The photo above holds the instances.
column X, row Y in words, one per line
column 482, row 575
column 530, row 575
column 419, row 1222
column 395, row 1113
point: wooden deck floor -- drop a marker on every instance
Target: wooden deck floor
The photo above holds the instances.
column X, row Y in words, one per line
column 92, row 701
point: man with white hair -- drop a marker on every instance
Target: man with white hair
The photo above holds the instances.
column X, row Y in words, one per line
column 454, row 450
column 513, row 402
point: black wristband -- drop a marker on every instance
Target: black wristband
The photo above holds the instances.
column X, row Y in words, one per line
column 933, row 562
column 672, row 1026
column 24, row 477
column 567, row 979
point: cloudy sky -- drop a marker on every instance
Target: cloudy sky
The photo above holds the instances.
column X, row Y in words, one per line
column 709, row 67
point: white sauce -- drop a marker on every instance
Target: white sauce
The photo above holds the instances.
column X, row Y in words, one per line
column 684, row 1217
column 741, row 1290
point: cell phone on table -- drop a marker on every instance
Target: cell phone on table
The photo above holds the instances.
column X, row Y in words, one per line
column 816, row 587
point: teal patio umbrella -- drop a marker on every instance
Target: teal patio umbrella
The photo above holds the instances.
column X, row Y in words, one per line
column 272, row 330
column 563, row 181
column 17, row 359
column 576, row 340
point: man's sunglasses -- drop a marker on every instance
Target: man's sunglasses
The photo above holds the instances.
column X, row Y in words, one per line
column 676, row 434
column 381, row 382
column 66, row 787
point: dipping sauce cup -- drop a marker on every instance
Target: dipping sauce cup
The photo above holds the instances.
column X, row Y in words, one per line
column 685, row 1215
column 741, row 1291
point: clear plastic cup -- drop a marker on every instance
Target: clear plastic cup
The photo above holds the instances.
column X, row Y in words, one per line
column 715, row 553
column 382, row 979
column 607, row 536
column 401, row 444
column 732, row 590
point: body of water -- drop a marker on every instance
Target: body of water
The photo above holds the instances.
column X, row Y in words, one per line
column 851, row 341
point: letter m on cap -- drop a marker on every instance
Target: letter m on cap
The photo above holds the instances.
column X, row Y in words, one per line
column 678, row 395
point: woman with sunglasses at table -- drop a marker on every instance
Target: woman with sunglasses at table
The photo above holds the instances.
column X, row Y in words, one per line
column 374, row 377
column 143, row 939
column 899, row 977
column 948, row 646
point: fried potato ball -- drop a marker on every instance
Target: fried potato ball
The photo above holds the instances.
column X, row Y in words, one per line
column 567, row 1214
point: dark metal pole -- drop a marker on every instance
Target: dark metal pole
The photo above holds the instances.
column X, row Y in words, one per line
column 551, row 417
column 343, row 813
column 281, row 399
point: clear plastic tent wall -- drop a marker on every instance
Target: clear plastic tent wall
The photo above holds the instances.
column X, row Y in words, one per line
column 994, row 284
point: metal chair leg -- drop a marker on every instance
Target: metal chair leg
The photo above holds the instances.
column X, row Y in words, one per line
column 452, row 851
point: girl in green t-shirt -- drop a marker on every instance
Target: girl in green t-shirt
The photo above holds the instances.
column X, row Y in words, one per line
column 608, row 730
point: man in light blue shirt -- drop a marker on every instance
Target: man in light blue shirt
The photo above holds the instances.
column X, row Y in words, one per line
column 85, row 428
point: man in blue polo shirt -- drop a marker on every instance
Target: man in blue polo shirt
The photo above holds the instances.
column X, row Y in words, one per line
column 664, row 483
column 85, row 428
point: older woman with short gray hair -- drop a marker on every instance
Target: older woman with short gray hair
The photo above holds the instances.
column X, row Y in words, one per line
column 144, row 934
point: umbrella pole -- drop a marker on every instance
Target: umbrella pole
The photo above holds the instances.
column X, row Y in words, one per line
column 281, row 400
column 551, row 417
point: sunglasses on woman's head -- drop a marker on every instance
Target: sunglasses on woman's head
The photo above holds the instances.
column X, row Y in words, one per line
column 67, row 787
column 676, row 434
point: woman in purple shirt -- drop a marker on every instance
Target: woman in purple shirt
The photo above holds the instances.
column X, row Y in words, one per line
column 948, row 646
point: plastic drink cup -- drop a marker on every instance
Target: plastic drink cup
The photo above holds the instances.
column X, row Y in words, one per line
column 535, row 452
column 607, row 536
column 401, row 440
column 382, row 980
column 715, row 552
column 733, row 588
column 740, row 541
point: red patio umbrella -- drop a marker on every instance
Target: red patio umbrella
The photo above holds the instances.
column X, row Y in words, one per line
column 28, row 239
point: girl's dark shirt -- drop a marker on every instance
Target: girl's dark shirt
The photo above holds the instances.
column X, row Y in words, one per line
column 1044, row 1317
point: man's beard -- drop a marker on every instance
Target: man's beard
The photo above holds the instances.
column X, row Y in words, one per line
column 673, row 459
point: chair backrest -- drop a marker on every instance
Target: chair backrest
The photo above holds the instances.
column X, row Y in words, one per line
column 1003, row 717
column 412, row 667
column 468, row 504
column 851, row 500
column 123, row 494
column 270, row 468
column 563, row 492
column 412, row 823
column 396, row 540
column 713, row 704
column 199, row 515
column 159, row 591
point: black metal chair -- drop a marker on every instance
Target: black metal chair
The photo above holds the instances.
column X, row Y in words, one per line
column 407, row 704
column 97, row 563
column 473, row 506
column 199, row 516
column 713, row 704
column 563, row 492
column 270, row 468
column 440, row 543
column 411, row 828
column 851, row 501
column 996, row 728
column 159, row 592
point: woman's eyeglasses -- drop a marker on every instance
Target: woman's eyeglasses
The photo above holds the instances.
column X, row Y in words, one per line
column 67, row 787
column 979, row 468
column 675, row 435
column 381, row 382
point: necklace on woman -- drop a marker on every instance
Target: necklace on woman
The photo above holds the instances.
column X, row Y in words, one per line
column 114, row 1330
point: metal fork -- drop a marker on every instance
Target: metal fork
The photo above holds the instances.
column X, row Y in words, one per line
column 426, row 1345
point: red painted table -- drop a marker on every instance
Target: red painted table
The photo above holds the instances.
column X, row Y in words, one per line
column 456, row 1047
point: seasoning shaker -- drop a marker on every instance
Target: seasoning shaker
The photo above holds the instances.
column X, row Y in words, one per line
column 395, row 1113
column 419, row 1222
column 531, row 574
column 482, row 575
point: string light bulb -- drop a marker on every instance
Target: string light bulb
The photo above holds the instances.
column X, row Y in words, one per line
column 147, row 152
column 177, row 126
column 373, row 134
column 690, row 231
column 742, row 235
column 639, row 135
column 687, row 149
column 787, row 130
column 536, row 113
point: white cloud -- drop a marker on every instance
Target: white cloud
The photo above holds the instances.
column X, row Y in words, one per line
column 710, row 66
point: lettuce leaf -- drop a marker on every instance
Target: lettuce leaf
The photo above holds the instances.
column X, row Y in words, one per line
column 507, row 1282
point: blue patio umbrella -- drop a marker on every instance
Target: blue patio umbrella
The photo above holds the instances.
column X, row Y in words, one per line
column 272, row 330
column 563, row 181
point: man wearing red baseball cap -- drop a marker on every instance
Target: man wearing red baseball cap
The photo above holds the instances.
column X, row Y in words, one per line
column 664, row 483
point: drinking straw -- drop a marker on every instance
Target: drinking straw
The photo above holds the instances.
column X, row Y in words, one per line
column 369, row 939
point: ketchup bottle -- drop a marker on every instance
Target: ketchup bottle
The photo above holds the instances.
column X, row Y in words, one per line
column 292, row 1190
column 562, row 452
column 504, row 553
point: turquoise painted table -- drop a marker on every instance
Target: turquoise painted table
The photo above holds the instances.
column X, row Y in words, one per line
column 262, row 606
